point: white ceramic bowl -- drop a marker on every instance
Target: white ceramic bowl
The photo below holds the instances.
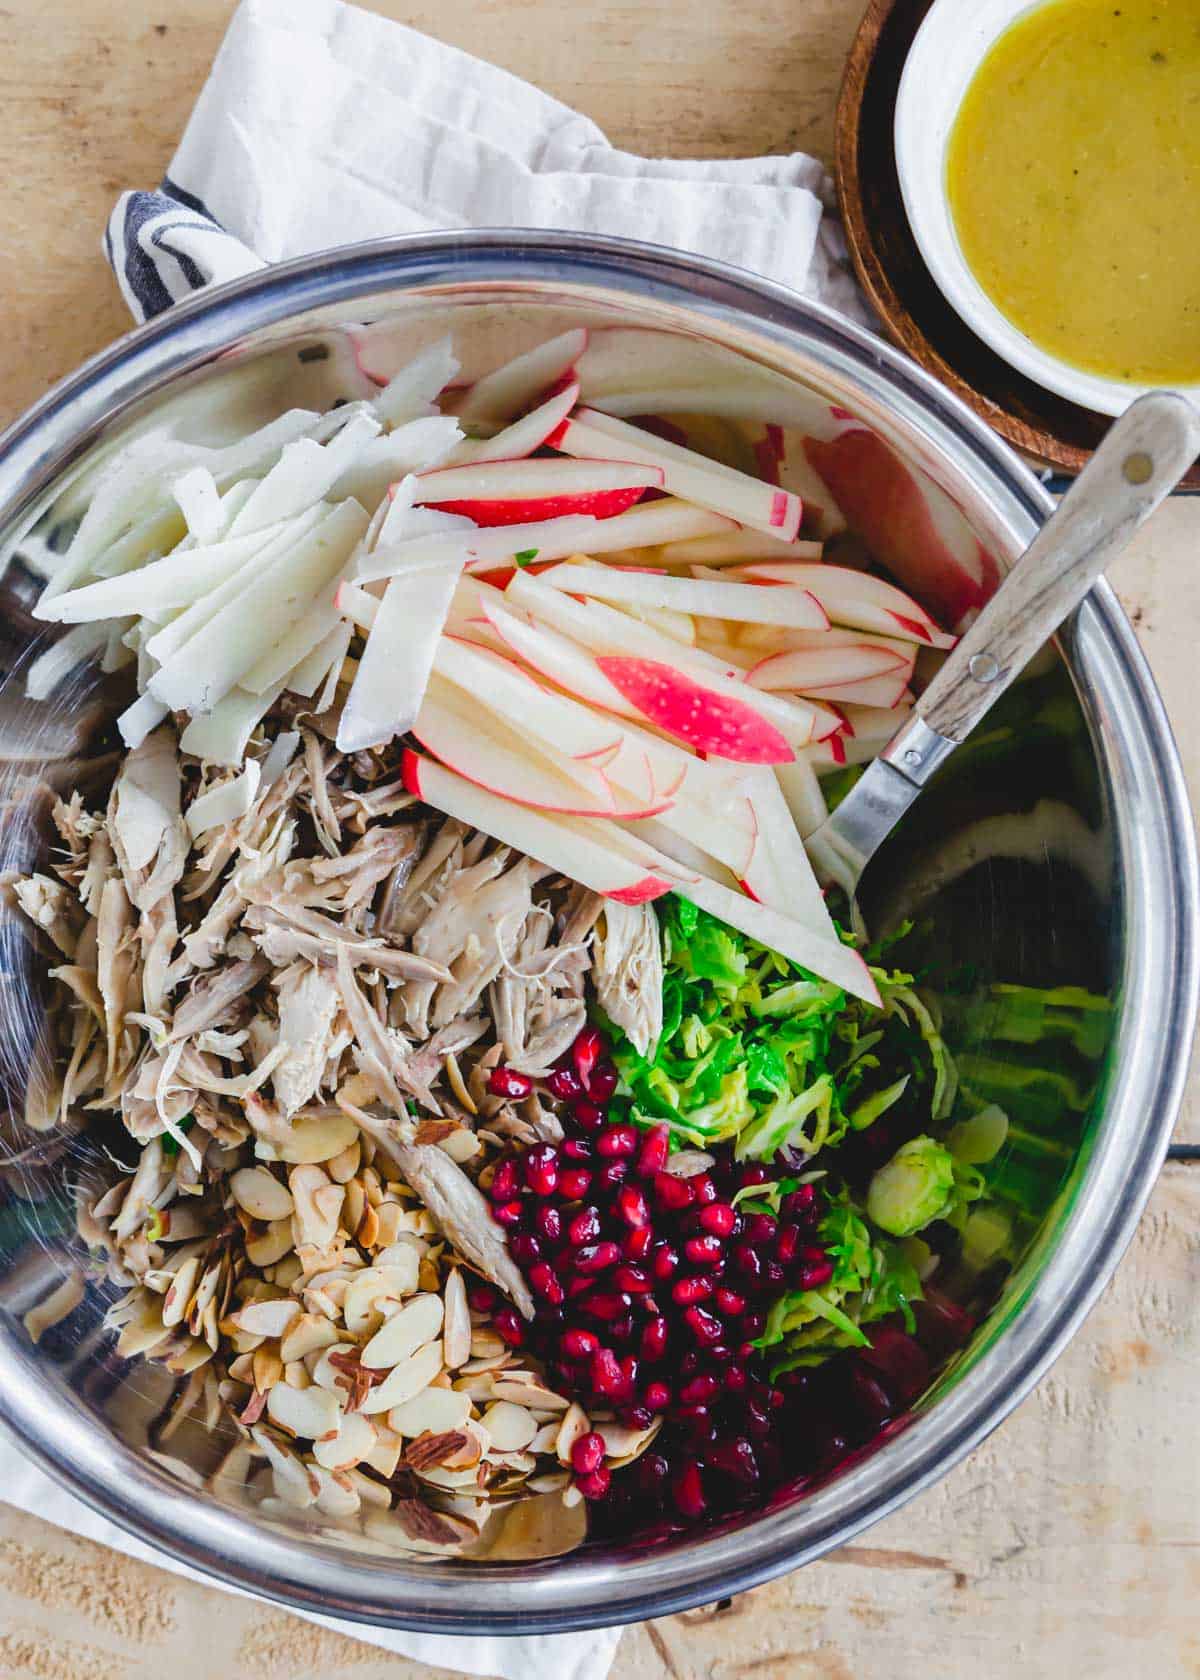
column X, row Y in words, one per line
column 948, row 49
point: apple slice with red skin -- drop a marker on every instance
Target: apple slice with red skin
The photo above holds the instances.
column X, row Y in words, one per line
column 584, row 850
column 870, row 730
column 600, row 628
column 735, row 548
column 854, row 598
column 517, row 492
column 909, row 523
column 826, row 670
column 724, row 599
column 510, row 389
column 710, row 722
column 519, row 440
column 474, row 743
column 593, row 436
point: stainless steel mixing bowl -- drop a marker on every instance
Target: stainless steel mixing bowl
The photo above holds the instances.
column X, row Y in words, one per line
column 269, row 342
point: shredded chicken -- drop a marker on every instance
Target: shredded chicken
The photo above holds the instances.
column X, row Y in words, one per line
column 627, row 971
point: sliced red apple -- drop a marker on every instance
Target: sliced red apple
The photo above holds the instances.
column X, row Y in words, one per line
column 869, row 730
column 709, row 721
column 801, row 789
column 520, row 439
column 798, row 609
column 734, row 548
column 510, row 389
column 854, row 598
column 598, row 627
column 825, row 671
column 513, row 492
column 780, row 874
column 907, row 521
column 584, row 851
column 595, row 436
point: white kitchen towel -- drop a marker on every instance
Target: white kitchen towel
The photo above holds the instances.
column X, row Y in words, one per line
column 559, row 1656
column 322, row 124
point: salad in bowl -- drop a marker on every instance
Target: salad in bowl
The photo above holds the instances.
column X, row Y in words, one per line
column 494, row 1107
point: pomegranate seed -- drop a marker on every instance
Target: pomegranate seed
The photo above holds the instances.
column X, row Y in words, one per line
column 787, row 1245
column 798, row 1204
column 704, row 1191
column 508, row 1325
column 585, row 1227
column 735, row 1458
column 760, row 1228
column 657, row 1396
column 564, row 1083
column 632, row 1279
column 549, row 1222
column 603, row 1081
column 579, row 1344
column 586, row 1051
column 605, row 1372
column 612, row 1174
column 870, row 1396
column 504, row 1182
column 576, row 1149
column 524, row 1248
column 578, row 1286
column 664, row 1262
column 652, row 1471
column 734, row 1380
column 631, row 1205
column 753, row 1172
column 637, row 1242
column 509, row 1213
column 620, row 1330
column 630, row 1370
column 617, row 1142
column 588, row 1116
column 700, row 1389
column 689, row 1290
column 574, row 1184
column 757, row 1421
column 813, row 1274
column 637, row 1417
column 654, row 1340
column 702, row 1324
column 773, row 1275
column 596, row 1257
column 718, row 1218
column 507, row 1082
column 481, row 1296
column 702, row 1251
column 729, row 1301
column 605, row 1304
column 899, row 1361
column 747, row 1262
column 595, row 1484
column 588, row 1452
column 753, row 1324
column 673, row 1194
column 542, row 1277
column 652, row 1157
column 541, row 1169
column 720, row 1354
column 687, row 1488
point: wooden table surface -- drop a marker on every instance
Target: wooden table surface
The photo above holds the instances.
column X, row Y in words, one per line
column 1070, row 1542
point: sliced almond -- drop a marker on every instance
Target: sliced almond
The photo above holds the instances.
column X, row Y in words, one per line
column 415, row 1324
column 405, row 1380
column 354, row 1441
column 311, row 1138
column 387, row 1223
column 306, row 1334
column 294, row 1482
column 261, row 1194
column 528, row 1392
column 624, row 1445
column 546, row 1439
column 271, row 1244
column 295, row 1374
column 179, row 1294
column 336, row 1497
column 308, row 1413
column 574, row 1427
column 372, row 1494
column 552, row 1482
column 433, row 1410
column 385, row 1454
column 318, row 1204
column 486, row 1344
column 355, row 1202
column 266, row 1318
column 511, row 1427
column 342, row 1167
column 327, row 1374
column 457, row 1332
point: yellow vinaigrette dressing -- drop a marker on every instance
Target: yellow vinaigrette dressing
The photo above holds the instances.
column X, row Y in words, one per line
column 1073, row 175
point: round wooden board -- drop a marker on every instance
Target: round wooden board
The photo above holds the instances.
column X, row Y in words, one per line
column 1055, row 432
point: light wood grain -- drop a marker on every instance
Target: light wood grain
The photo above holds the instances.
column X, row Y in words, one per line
column 1068, row 1544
